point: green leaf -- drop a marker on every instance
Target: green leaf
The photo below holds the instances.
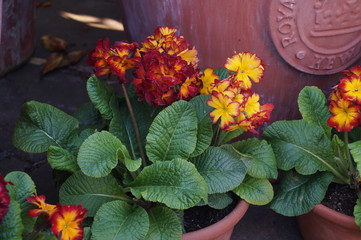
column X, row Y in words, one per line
column 89, row 117
column 355, row 149
column 62, row 159
column 23, row 188
column 357, row 213
column 91, row 192
column 205, row 130
column 11, row 226
column 312, row 105
column 255, row 191
column 40, row 126
column 164, row 224
column 219, row 200
column 100, row 94
column 222, row 73
column 175, row 183
column 221, row 169
column 173, row 133
column 302, row 145
column 298, row 194
column 118, row 220
column 228, row 136
column 258, row 156
column 100, row 153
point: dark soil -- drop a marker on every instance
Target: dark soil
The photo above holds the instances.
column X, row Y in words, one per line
column 200, row 217
column 340, row 198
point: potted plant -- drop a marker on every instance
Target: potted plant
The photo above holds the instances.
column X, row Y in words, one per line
column 321, row 148
column 136, row 165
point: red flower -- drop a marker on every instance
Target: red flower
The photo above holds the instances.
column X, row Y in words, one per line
column 4, row 198
column 47, row 209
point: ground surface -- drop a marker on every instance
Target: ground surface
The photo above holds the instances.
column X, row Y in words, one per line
column 65, row 89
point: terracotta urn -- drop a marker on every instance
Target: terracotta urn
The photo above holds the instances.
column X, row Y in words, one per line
column 17, row 33
column 323, row 223
column 221, row 230
column 301, row 42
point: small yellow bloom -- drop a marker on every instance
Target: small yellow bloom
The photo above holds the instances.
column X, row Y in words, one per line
column 252, row 105
column 345, row 115
column 225, row 109
column 351, row 88
column 208, row 79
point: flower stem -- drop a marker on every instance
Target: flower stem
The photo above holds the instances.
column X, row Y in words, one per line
column 134, row 122
column 350, row 162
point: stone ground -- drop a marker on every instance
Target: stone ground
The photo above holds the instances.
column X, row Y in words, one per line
column 65, row 89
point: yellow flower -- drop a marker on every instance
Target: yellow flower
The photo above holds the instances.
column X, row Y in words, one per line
column 247, row 67
column 208, row 79
column 345, row 115
column 351, row 88
column 225, row 109
column 252, row 105
column 43, row 207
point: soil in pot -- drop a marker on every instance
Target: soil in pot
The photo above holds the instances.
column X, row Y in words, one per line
column 340, row 198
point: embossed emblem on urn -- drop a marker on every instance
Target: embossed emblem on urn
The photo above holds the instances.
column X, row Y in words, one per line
column 317, row 36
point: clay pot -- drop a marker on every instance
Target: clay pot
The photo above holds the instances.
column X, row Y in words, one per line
column 273, row 30
column 221, row 230
column 17, row 33
column 323, row 223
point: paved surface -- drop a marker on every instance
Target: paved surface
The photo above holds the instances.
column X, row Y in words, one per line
column 65, row 89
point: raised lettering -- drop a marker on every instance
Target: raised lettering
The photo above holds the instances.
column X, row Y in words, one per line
column 284, row 15
column 288, row 3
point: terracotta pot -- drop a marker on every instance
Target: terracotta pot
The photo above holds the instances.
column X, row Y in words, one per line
column 323, row 223
column 274, row 30
column 221, row 230
column 17, row 33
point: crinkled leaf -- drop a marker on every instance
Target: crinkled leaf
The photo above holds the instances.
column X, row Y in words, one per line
column 355, row 149
column 357, row 213
column 221, row 169
column 258, row 156
column 89, row 117
column 89, row 191
column 100, row 94
column 173, row 133
column 175, row 183
column 119, row 220
column 222, row 73
column 163, row 224
column 40, row 126
column 228, row 136
column 312, row 105
column 205, row 131
column 23, row 188
column 301, row 145
column 255, row 191
column 298, row 194
column 62, row 159
column 219, row 200
column 11, row 226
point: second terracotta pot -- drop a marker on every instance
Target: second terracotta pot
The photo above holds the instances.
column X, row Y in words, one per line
column 323, row 223
column 221, row 230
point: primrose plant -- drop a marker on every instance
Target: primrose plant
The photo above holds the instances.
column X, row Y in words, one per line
column 134, row 164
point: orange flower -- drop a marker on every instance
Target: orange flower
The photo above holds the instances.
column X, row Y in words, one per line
column 351, row 88
column 356, row 70
column 43, row 207
column 345, row 115
column 67, row 222
column 208, row 79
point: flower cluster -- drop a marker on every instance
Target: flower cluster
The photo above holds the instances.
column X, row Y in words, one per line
column 236, row 106
column 66, row 221
column 345, row 101
column 4, row 198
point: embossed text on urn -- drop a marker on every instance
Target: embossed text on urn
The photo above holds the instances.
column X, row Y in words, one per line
column 317, row 36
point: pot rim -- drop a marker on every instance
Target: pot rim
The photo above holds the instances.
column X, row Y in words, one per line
column 335, row 217
column 228, row 222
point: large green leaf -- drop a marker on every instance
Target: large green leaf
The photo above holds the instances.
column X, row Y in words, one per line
column 89, row 117
column 219, row 200
column 205, row 130
column 258, row 156
column 298, row 194
column 89, row 191
column 357, row 213
column 221, row 169
column 173, row 133
column 41, row 125
column 100, row 153
column 62, row 159
column 301, row 145
column 355, row 149
column 11, row 226
column 118, row 220
column 312, row 105
column 164, row 224
column 100, row 94
column 175, row 183
column 255, row 191
column 22, row 188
